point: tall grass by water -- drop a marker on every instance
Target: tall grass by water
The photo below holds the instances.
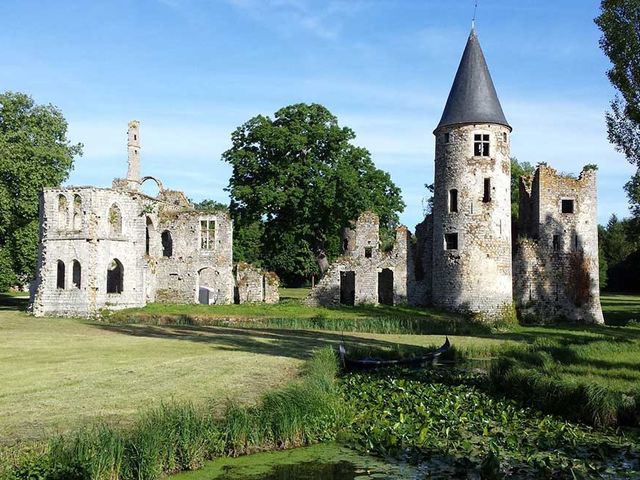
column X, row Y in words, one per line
column 181, row 436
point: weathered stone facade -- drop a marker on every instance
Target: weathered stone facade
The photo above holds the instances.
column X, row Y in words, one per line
column 472, row 219
column 366, row 274
column 256, row 285
column 556, row 269
column 119, row 248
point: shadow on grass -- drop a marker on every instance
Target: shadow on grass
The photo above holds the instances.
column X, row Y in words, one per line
column 298, row 344
column 13, row 303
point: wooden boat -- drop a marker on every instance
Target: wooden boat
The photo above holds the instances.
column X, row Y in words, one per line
column 371, row 363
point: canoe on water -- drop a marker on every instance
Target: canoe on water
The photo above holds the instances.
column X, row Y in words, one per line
column 350, row 363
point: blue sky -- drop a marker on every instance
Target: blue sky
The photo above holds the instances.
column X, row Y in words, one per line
column 193, row 70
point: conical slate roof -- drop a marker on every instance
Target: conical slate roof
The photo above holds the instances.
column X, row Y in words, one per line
column 473, row 97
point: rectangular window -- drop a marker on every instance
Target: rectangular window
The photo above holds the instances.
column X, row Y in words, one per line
column 207, row 234
column 556, row 243
column 481, row 145
column 451, row 241
column 576, row 243
column 486, row 198
column 453, row 200
column 447, row 137
column 368, row 252
column 567, row 206
column 504, row 136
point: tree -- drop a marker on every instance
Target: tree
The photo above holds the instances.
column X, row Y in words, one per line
column 297, row 181
column 209, row 205
column 619, row 22
column 518, row 170
column 34, row 153
column 620, row 250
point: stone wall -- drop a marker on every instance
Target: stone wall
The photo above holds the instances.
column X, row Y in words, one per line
column 556, row 269
column 256, row 285
column 377, row 276
column 476, row 274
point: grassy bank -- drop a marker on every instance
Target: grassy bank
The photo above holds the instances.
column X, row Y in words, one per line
column 178, row 436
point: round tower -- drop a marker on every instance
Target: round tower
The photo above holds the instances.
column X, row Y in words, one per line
column 472, row 194
column 133, row 154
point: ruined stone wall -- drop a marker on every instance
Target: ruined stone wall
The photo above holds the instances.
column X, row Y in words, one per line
column 556, row 270
column 371, row 266
column 84, row 232
column 420, row 276
column 256, row 285
column 193, row 265
column 476, row 276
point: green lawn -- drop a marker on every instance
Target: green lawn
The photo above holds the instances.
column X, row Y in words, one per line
column 58, row 373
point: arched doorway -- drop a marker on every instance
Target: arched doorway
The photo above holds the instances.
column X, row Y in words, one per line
column 115, row 276
column 207, row 286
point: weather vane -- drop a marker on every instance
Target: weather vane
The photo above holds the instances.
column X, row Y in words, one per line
column 473, row 20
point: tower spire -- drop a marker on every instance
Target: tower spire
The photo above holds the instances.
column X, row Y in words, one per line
column 473, row 97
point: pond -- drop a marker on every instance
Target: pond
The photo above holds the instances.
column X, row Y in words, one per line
column 318, row 462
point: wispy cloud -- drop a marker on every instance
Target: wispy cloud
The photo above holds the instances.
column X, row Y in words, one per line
column 321, row 19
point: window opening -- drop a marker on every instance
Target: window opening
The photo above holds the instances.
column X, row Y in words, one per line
column 486, row 198
column 63, row 207
column 447, row 137
column 368, row 252
column 115, row 220
column 451, row 241
column 115, row 276
column 504, row 136
column 167, row 244
column 348, row 288
column 481, row 145
column 453, row 200
column 556, row 243
column 77, row 274
column 385, row 287
column 207, row 234
column 576, row 242
column 60, row 275
column 567, row 206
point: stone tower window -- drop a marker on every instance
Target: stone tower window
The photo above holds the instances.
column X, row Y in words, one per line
column 60, row 274
column 63, row 211
column 115, row 276
column 368, row 252
column 77, row 274
column 207, row 234
column 504, row 136
column 486, row 198
column 451, row 241
column 567, row 206
column 447, row 137
column 576, row 243
column 167, row 244
column 481, row 145
column 453, row 200
column 556, row 243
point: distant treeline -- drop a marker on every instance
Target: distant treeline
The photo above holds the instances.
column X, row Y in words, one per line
column 619, row 256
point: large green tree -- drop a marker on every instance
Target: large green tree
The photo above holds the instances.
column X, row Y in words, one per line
column 619, row 22
column 34, row 153
column 518, row 170
column 297, row 182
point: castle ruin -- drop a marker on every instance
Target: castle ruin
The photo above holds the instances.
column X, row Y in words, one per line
column 115, row 248
column 464, row 257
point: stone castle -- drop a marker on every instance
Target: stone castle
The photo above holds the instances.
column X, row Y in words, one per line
column 466, row 255
column 119, row 248
column 115, row 248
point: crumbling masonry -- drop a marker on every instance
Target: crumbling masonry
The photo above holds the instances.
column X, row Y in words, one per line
column 114, row 248
column 463, row 258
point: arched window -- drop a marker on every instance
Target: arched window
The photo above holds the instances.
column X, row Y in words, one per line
column 63, row 212
column 115, row 220
column 77, row 212
column 60, row 275
column 147, row 239
column 77, row 274
column 115, row 276
column 167, row 244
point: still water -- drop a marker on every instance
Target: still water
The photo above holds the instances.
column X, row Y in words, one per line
column 319, row 462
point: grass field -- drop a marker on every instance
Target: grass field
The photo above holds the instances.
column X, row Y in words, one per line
column 56, row 374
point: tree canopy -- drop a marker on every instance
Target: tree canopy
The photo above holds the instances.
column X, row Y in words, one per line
column 620, row 255
column 297, row 181
column 518, row 170
column 619, row 22
column 34, row 153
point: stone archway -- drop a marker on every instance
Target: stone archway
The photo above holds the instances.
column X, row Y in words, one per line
column 208, row 286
